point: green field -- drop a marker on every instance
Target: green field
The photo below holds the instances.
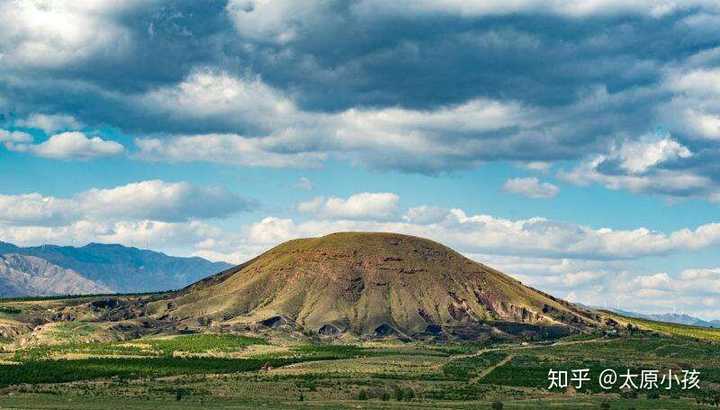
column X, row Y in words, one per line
column 240, row 371
column 674, row 329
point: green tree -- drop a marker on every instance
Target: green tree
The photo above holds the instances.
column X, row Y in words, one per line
column 399, row 394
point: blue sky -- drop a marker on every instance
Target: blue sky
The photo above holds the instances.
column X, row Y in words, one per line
column 574, row 145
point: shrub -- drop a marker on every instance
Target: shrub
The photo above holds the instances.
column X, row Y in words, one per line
column 399, row 394
column 10, row 310
column 629, row 394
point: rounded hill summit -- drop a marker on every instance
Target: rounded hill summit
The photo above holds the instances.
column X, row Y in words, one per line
column 369, row 284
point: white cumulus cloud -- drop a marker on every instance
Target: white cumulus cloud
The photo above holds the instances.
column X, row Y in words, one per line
column 152, row 200
column 479, row 8
column 637, row 157
column 276, row 132
column 11, row 139
column 53, row 33
column 75, row 145
column 223, row 148
column 486, row 234
column 694, row 108
column 646, row 165
column 66, row 145
column 50, row 123
column 531, row 188
column 366, row 205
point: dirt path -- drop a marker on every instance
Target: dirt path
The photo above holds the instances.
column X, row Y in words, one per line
column 510, row 356
column 529, row 347
column 490, row 369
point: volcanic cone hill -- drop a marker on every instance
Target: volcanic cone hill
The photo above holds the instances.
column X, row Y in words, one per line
column 370, row 284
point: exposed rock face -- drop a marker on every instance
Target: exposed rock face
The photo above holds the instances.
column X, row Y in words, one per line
column 22, row 275
column 371, row 284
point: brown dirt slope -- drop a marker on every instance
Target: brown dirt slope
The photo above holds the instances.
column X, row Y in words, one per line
column 370, row 284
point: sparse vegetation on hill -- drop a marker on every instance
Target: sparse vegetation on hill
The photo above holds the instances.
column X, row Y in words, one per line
column 373, row 284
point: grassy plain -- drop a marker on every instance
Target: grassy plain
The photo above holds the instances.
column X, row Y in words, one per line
column 674, row 329
column 242, row 372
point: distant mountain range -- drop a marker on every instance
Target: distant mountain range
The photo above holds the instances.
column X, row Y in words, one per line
column 679, row 318
column 95, row 268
